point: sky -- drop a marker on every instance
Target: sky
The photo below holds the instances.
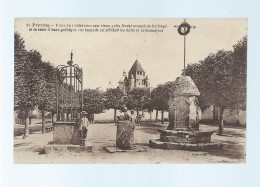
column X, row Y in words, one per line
column 105, row 55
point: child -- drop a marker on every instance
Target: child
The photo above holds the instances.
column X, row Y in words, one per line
column 83, row 127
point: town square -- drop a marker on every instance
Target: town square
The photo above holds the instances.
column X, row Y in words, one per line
column 169, row 91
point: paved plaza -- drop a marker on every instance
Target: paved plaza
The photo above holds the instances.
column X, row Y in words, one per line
column 30, row 150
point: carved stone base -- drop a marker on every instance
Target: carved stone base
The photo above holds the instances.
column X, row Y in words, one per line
column 185, row 136
column 54, row 148
column 158, row 144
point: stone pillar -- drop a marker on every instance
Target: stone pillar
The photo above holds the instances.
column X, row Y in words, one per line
column 182, row 104
column 125, row 135
column 193, row 113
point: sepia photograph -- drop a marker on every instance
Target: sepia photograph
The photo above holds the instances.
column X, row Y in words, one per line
column 130, row 90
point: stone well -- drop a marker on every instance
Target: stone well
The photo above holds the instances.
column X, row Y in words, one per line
column 183, row 130
column 66, row 138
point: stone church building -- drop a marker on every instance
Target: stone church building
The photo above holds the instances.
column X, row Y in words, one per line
column 136, row 78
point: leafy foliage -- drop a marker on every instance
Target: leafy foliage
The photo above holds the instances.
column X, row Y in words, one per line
column 93, row 101
column 161, row 95
column 221, row 79
column 114, row 99
column 24, row 96
column 137, row 98
column 33, row 81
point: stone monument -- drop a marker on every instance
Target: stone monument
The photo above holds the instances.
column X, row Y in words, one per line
column 183, row 131
column 183, row 104
column 125, row 135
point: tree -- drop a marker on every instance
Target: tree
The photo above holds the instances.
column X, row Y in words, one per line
column 44, row 81
column 47, row 96
column 114, row 99
column 24, row 85
column 239, row 73
column 34, row 83
column 137, row 99
column 160, row 97
column 93, row 102
column 221, row 79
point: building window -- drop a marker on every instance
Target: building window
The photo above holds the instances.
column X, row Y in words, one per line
column 137, row 72
column 144, row 73
column 140, row 73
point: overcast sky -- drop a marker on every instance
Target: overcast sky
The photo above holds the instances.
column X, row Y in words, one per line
column 104, row 56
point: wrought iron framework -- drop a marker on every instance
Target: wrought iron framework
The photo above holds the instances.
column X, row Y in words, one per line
column 69, row 91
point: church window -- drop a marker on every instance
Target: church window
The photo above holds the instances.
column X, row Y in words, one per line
column 140, row 73
column 144, row 73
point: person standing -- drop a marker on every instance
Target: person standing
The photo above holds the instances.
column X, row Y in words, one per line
column 132, row 118
column 83, row 127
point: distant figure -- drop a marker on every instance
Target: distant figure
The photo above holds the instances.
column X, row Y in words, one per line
column 132, row 118
column 83, row 127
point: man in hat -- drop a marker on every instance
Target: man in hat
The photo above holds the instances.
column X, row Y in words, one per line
column 83, row 127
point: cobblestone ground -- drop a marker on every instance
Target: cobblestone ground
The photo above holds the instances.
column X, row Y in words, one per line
column 30, row 150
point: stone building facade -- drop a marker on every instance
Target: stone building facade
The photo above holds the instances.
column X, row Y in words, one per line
column 136, row 77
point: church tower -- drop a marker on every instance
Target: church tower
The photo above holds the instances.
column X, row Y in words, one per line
column 136, row 78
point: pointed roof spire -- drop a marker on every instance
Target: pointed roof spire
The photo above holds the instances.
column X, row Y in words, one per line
column 185, row 86
column 137, row 67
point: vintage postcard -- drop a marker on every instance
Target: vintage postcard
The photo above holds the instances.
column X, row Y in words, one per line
column 130, row 90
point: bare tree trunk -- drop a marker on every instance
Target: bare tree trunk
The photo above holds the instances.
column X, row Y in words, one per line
column 214, row 114
column 137, row 115
column 217, row 114
column 30, row 116
column 26, row 128
column 43, row 122
column 52, row 116
column 156, row 116
column 221, row 121
column 114, row 115
column 91, row 118
column 162, row 120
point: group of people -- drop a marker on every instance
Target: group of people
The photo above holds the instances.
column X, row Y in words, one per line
column 84, row 123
